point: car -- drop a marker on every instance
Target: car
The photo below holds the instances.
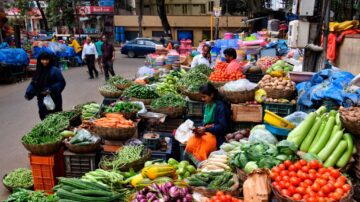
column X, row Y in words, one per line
column 139, row 47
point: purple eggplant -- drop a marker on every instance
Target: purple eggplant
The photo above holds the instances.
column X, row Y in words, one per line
column 189, row 197
column 139, row 197
column 174, row 192
column 143, row 200
column 166, row 198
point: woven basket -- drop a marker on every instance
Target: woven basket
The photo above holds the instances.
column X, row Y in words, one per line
column 241, row 174
column 233, row 191
column 81, row 149
column 196, row 96
column 43, row 149
column 171, row 112
column 279, row 93
column 108, row 133
column 108, row 94
column 238, row 96
column 280, row 198
column 352, row 127
column 218, row 84
column 11, row 189
column 123, row 86
column 136, row 165
column 145, row 101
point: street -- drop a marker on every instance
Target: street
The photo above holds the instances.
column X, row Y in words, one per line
column 18, row 116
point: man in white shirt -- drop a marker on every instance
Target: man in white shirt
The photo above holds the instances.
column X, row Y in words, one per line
column 89, row 54
column 203, row 58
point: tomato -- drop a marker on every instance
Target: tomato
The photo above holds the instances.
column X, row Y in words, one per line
column 282, row 184
column 292, row 168
column 284, row 173
column 273, row 175
column 318, row 175
column 322, row 170
column 282, row 167
column 331, row 186
column 312, row 171
column 314, row 164
column 312, row 176
column 312, row 199
column 315, row 187
column 342, row 179
column 338, row 184
column 303, row 162
column 340, row 191
column 322, row 199
column 298, row 166
column 285, row 178
column 285, row 192
column 335, row 173
column 222, row 198
column 301, row 190
column 287, row 163
column 287, row 184
column 292, row 189
column 292, row 174
column 325, row 176
column 322, row 182
column 326, row 189
column 278, row 179
column 228, row 197
column 219, row 193
column 303, row 184
column 295, row 181
column 321, row 193
column 346, row 188
column 303, row 176
column 305, row 169
column 337, row 196
column 277, row 187
column 297, row 197
column 308, row 182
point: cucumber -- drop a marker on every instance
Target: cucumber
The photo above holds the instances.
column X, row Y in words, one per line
column 337, row 153
column 92, row 192
column 323, row 139
column 335, row 129
column 319, row 132
column 330, row 146
column 71, row 196
column 345, row 158
column 311, row 135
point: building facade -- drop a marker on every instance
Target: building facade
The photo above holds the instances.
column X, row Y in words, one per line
column 189, row 19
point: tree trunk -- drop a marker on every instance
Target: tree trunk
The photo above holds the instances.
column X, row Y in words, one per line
column 140, row 17
column 42, row 15
column 160, row 4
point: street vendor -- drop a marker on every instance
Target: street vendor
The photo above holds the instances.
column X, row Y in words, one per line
column 230, row 57
column 216, row 123
column 203, row 58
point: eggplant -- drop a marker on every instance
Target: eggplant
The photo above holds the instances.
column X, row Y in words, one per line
column 174, row 192
column 139, row 197
column 143, row 200
column 189, row 197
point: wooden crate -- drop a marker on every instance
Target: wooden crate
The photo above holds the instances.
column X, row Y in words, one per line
column 247, row 113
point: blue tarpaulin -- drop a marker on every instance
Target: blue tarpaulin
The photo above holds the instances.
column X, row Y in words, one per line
column 10, row 57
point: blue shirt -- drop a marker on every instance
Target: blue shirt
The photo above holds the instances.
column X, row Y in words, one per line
column 98, row 46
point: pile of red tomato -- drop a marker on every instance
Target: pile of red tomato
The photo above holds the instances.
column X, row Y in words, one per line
column 220, row 76
column 221, row 197
column 309, row 181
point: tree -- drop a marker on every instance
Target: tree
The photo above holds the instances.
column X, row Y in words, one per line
column 160, row 4
column 25, row 6
column 44, row 19
column 140, row 17
column 61, row 13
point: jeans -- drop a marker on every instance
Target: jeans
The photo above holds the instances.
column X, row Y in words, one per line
column 90, row 61
column 108, row 67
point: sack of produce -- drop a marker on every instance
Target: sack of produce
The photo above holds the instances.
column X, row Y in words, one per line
column 173, row 105
column 256, row 187
column 110, row 91
column 114, row 127
column 278, row 87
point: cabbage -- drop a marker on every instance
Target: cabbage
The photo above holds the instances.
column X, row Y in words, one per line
column 262, row 135
column 250, row 166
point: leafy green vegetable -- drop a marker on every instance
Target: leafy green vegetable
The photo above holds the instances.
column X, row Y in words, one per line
column 23, row 195
column 126, row 107
column 193, row 81
column 109, row 88
column 140, row 92
column 250, row 166
column 168, row 100
column 20, row 177
column 203, row 69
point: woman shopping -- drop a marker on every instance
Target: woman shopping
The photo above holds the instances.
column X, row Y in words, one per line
column 216, row 123
column 47, row 81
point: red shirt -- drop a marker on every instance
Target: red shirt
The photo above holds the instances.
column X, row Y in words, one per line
column 233, row 66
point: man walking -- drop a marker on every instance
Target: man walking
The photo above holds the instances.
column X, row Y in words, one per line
column 108, row 57
column 89, row 54
column 98, row 46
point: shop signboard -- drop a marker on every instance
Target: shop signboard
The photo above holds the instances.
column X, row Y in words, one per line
column 88, row 10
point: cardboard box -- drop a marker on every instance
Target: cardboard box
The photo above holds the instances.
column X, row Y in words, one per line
column 247, row 113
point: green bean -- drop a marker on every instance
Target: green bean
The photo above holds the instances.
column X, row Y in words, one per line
column 124, row 156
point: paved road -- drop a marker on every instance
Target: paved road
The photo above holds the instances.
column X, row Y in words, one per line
column 18, row 116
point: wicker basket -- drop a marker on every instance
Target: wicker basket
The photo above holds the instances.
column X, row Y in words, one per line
column 352, row 127
column 193, row 96
column 43, row 149
column 171, row 112
column 241, row 174
column 12, row 188
column 279, row 93
column 145, row 101
column 233, row 191
column 81, row 149
column 123, row 86
column 108, row 94
column 136, row 165
column 108, row 133
column 238, row 96
column 218, row 84
column 280, row 198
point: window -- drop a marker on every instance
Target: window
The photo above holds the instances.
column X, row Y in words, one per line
column 149, row 43
column 157, row 34
column 202, row 9
column 184, row 8
column 140, row 42
column 211, row 6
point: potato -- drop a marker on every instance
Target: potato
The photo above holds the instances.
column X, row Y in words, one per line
column 287, row 88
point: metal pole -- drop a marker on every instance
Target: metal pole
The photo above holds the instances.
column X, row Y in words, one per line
column 211, row 28
column 326, row 30
column 217, row 28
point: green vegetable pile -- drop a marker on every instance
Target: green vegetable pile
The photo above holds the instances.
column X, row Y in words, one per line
column 73, row 189
column 126, row 107
column 109, row 88
column 69, row 114
column 23, row 195
column 169, row 85
column 89, row 111
column 183, row 168
column 249, row 156
column 168, row 100
column 193, row 81
column 140, row 92
column 118, row 80
column 20, row 178
column 204, row 69
column 48, row 131
column 122, row 157
column 213, row 180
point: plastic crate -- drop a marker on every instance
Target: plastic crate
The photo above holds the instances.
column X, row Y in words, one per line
column 236, row 126
column 164, row 155
column 255, row 78
column 281, row 109
column 76, row 165
column 195, row 108
column 169, row 125
column 45, row 170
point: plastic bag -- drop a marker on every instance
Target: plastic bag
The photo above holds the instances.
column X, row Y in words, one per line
column 49, row 103
column 239, row 85
column 260, row 134
column 296, row 117
column 184, row 131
